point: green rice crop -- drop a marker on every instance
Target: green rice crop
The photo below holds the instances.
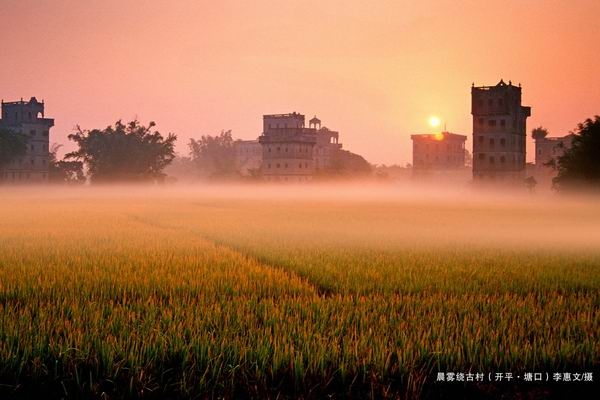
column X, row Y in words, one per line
column 201, row 294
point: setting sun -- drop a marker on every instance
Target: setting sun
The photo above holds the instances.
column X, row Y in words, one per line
column 434, row 121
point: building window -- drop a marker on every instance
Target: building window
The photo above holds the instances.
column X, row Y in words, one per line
column 500, row 102
column 490, row 102
column 32, row 132
column 285, row 166
column 299, row 165
column 502, row 142
column 481, row 121
column 269, row 165
column 502, row 122
column 492, row 160
column 32, row 161
column 481, row 139
column 492, row 122
column 482, row 156
column 32, row 147
column 278, row 165
column 492, row 143
column 502, row 159
column 278, row 148
column 480, row 102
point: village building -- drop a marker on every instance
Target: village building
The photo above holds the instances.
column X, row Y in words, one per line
column 547, row 152
column 248, row 156
column 291, row 152
column 327, row 147
column 287, row 147
column 499, row 133
column 27, row 118
column 439, row 151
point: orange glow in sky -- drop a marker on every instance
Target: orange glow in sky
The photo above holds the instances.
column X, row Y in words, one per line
column 374, row 71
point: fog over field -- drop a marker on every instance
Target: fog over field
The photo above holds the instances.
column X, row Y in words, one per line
column 363, row 212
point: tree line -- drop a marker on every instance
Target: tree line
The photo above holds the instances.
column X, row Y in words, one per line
column 133, row 152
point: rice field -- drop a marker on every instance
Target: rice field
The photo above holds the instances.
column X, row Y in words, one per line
column 257, row 292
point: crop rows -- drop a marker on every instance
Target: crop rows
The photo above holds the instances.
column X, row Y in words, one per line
column 180, row 297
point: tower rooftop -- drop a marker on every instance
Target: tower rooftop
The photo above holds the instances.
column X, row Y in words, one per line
column 499, row 85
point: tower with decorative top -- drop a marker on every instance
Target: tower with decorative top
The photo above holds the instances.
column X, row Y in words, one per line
column 27, row 118
column 499, row 133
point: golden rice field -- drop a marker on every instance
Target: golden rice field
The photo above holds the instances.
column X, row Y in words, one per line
column 257, row 292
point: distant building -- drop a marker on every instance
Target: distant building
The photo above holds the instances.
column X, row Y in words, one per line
column 327, row 147
column 440, row 151
column 248, row 156
column 27, row 118
column 294, row 153
column 287, row 148
column 499, row 133
column 548, row 149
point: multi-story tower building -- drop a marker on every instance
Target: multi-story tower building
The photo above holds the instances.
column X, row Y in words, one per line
column 439, row 151
column 499, row 133
column 287, row 148
column 27, row 118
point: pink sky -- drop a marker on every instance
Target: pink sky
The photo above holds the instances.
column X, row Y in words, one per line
column 374, row 71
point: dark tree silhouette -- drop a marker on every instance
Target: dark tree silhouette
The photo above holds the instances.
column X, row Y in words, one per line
column 579, row 166
column 11, row 145
column 124, row 152
column 61, row 171
column 214, row 156
column 346, row 164
column 539, row 133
